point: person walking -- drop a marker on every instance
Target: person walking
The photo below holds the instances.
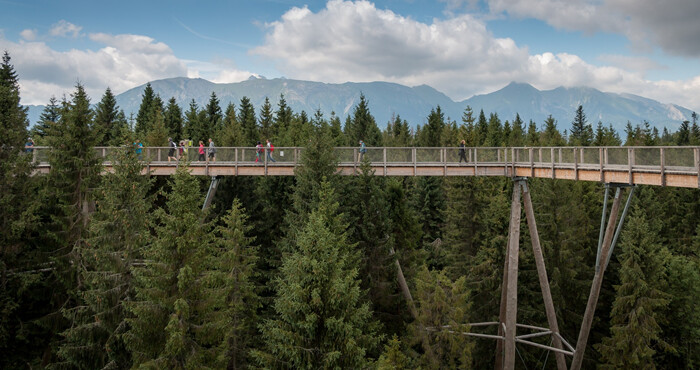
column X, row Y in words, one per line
column 202, row 157
column 29, row 146
column 362, row 151
column 171, row 152
column 270, row 149
column 258, row 151
column 212, row 150
column 462, row 152
column 139, row 148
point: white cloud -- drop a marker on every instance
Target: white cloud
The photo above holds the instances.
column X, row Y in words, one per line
column 673, row 25
column 65, row 29
column 218, row 71
column 29, row 35
column 124, row 62
column 355, row 41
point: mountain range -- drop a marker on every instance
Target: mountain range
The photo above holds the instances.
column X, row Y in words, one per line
column 414, row 104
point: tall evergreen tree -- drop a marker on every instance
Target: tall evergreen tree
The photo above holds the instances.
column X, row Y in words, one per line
column 232, row 291
column 248, row 122
column 321, row 320
column 482, row 129
column 363, row 126
column 157, row 135
column 106, row 114
column 442, row 301
column 214, row 119
column 173, row 119
column 267, row 120
column 117, row 234
column 21, row 296
column 49, row 116
column 283, row 119
column 172, row 308
column 144, row 116
column 193, row 124
column 232, row 132
column 635, row 333
column 75, row 170
column 581, row 131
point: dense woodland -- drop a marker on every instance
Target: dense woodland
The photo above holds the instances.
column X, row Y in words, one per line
column 301, row 272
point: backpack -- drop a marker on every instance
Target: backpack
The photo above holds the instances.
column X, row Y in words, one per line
column 272, row 148
column 260, row 149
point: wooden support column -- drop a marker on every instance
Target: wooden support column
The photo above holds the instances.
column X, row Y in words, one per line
column 542, row 274
column 512, row 286
column 498, row 364
column 595, row 287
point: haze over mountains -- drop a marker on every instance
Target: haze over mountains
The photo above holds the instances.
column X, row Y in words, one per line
column 414, row 103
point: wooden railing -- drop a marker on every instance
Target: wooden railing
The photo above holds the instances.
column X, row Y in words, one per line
column 669, row 166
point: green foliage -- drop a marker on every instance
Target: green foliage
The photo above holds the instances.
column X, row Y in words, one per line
column 581, row 131
column 321, row 321
column 442, row 302
column 231, row 292
column 635, row 333
column 248, row 122
column 172, row 307
column 362, row 126
column 393, row 357
column 117, row 234
column 145, row 114
column 173, row 119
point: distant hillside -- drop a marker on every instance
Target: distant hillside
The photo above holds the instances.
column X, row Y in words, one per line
column 414, row 103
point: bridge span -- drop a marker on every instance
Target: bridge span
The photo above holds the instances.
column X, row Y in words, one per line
column 661, row 166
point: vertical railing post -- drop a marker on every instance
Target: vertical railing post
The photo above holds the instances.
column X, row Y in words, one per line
column 384, row 155
column 600, row 160
column 663, row 166
column 531, row 154
column 235, row 159
column 630, row 163
column 575, row 164
column 476, row 161
column 444, row 161
column 415, row 160
column 697, row 163
column 551, row 154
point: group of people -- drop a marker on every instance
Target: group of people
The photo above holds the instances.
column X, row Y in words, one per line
column 259, row 149
column 179, row 150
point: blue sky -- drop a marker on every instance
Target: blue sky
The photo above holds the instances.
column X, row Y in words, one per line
column 460, row 47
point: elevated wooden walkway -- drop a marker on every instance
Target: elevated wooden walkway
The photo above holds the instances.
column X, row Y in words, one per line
column 661, row 166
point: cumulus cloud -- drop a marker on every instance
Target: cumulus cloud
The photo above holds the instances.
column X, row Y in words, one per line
column 29, row 35
column 65, row 29
column 218, row 71
column 123, row 62
column 673, row 26
column 355, row 41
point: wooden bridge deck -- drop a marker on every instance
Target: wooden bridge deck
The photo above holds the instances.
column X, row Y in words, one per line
column 661, row 166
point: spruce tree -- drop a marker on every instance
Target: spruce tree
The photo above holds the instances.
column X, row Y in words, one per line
column 75, row 170
column 157, row 135
column 231, row 290
column 283, row 119
column 441, row 302
column 49, row 116
column 363, row 126
column 635, row 335
column 173, row 119
column 267, row 121
column 247, row 120
column 193, row 124
column 321, row 321
column 117, row 234
column 213, row 120
column 23, row 297
column 581, row 130
column 232, row 132
column 106, row 114
column 144, row 116
column 172, row 307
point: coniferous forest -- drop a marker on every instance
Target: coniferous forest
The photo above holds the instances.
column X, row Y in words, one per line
column 120, row 270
